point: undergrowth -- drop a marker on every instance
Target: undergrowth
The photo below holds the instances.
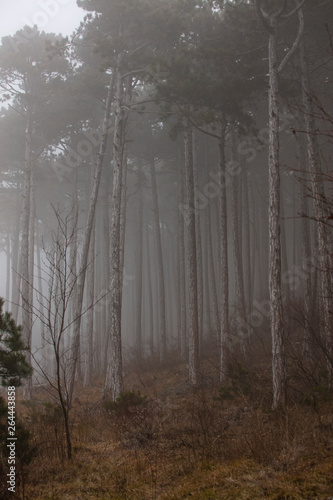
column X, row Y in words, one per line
column 174, row 441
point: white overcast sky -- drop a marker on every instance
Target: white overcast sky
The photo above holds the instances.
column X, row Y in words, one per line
column 51, row 16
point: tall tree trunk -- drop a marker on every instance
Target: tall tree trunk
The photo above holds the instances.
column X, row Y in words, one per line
column 8, row 262
column 114, row 375
column 198, row 242
column 160, row 267
column 193, row 327
column 275, row 292
column 150, row 296
column 305, row 245
column 181, row 255
column 224, row 276
column 32, row 220
column 90, row 313
column 106, row 255
column 138, row 268
column 73, row 248
column 284, row 253
column 247, row 242
column 16, row 263
column 270, row 22
column 237, row 251
column 325, row 267
column 41, row 297
column 86, row 241
column 213, row 303
column 25, row 245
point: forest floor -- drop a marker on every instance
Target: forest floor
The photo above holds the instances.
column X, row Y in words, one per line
column 171, row 441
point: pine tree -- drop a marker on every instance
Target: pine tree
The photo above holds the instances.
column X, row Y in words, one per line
column 13, row 365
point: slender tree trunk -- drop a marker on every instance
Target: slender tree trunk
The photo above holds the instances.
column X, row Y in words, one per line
column 275, row 292
column 150, row 296
column 284, row 253
column 138, row 268
column 213, row 304
column 237, row 251
column 270, row 22
column 106, row 252
column 123, row 217
column 193, row 327
column 325, row 267
column 224, row 276
column 86, row 241
column 73, row 246
column 160, row 267
column 99, row 286
column 198, row 243
column 41, row 296
column 114, row 376
column 305, row 246
column 8, row 262
column 32, row 220
column 25, row 245
column 182, row 285
column 90, row 314
column 247, row 242
column 16, row 264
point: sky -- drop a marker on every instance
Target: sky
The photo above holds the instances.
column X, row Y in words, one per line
column 51, row 16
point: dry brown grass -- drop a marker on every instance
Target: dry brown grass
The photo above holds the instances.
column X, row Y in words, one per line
column 186, row 443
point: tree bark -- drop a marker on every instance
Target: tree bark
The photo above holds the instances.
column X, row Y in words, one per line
column 270, row 22
column 138, row 268
column 160, row 267
column 90, row 313
column 86, row 241
column 150, row 296
column 305, row 247
column 224, row 276
column 237, row 252
column 193, row 327
column 325, row 267
column 25, row 244
column 198, row 244
column 275, row 291
column 114, row 376
column 181, row 256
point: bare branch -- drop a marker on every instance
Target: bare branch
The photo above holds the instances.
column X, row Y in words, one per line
column 282, row 10
column 296, row 9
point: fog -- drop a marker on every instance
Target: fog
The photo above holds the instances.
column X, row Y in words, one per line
column 50, row 16
column 166, row 191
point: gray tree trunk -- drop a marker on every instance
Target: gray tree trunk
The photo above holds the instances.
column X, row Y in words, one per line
column 270, row 22
column 86, row 242
column 25, row 244
column 275, row 291
column 16, row 263
column 150, row 297
column 114, row 375
column 224, row 276
column 106, row 257
column 318, row 195
column 181, row 256
column 89, row 355
column 138, row 268
column 193, row 327
column 160, row 267
column 237, row 252
column 305, row 245
column 198, row 243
